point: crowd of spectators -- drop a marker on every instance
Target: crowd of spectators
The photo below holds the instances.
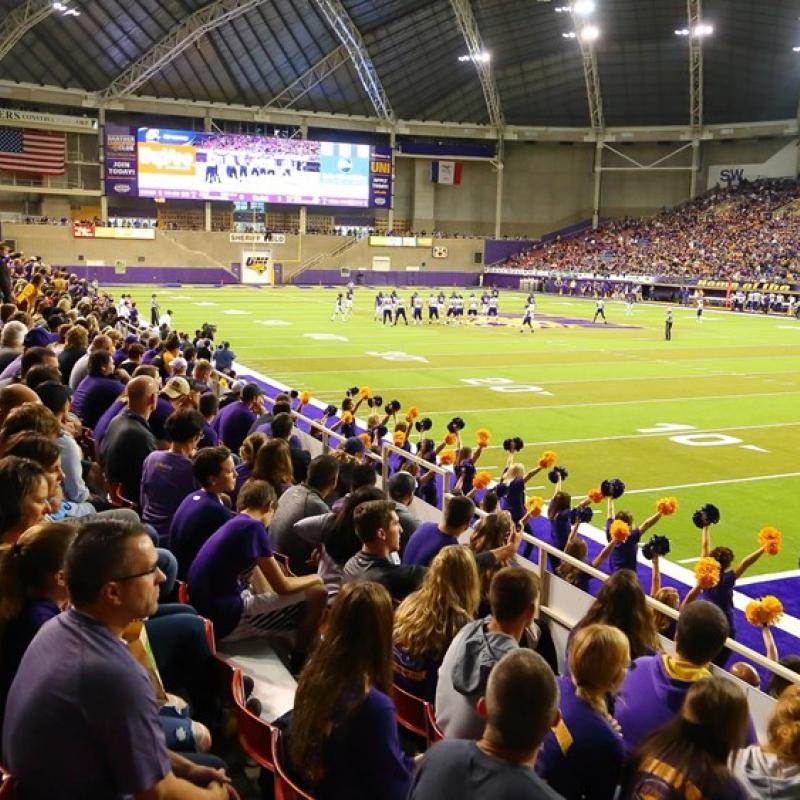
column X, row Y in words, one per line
column 125, row 467
column 737, row 233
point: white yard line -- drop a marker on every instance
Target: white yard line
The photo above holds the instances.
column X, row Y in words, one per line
column 773, row 576
column 750, row 479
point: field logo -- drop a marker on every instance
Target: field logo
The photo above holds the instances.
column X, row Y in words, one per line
column 257, row 267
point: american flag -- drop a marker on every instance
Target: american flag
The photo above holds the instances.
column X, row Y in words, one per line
column 34, row 152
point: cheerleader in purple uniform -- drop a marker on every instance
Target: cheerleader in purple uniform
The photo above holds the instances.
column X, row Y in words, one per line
column 513, row 481
column 464, row 468
column 624, row 554
column 576, row 547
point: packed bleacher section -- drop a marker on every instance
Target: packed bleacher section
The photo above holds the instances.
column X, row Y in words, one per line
column 154, row 508
column 746, row 232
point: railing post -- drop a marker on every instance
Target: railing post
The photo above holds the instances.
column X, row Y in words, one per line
column 385, row 465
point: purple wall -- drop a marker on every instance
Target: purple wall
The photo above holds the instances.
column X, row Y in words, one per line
column 106, row 275
column 314, row 277
column 496, row 250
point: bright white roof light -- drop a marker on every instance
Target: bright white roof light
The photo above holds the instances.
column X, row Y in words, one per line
column 796, row 49
column 65, row 9
column 681, row 31
column 703, row 30
column 583, row 7
column 590, row 33
column 483, row 57
column 569, row 35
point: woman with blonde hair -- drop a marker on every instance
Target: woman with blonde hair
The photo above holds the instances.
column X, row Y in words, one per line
column 582, row 756
column 273, row 464
column 343, row 735
column 490, row 533
column 428, row 619
column 248, row 453
column 773, row 769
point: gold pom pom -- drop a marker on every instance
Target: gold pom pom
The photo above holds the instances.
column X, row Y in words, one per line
column 482, row 480
column 766, row 611
column 447, row 458
column 667, row 506
column 595, row 495
column 620, row 531
column 547, row 459
column 304, row 398
column 770, row 540
column 707, row 572
column 482, row 436
column 533, row 505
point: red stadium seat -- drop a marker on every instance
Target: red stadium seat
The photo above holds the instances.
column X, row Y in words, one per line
column 410, row 712
column 255, row 735
column 212, row 642
column 285, row 787
column 7, row 788
column 183, row 593
column 435, row 733
column 117, row 499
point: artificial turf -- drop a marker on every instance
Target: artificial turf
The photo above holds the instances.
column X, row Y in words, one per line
column 599, row 395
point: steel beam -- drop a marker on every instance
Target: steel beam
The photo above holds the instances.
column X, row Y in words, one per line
column 21, row 20
column 475, row 50
column 301, row 86
column 592, row 79
column 181, row 37
column 348, row 34
column 694, row 10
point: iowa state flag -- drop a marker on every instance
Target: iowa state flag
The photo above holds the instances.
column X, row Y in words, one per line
column 448, row 172
column 34, row 152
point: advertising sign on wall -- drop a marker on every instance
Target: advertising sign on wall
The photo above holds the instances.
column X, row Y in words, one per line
column 257, row 267
column 120, row 161
column 380, row 178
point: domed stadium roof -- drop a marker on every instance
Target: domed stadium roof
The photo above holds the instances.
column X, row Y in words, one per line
column 399, row 59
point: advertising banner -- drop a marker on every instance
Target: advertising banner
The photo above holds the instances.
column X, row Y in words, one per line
column 120, row 161
column 380, row 178
column 85, row 230
column 257, row 267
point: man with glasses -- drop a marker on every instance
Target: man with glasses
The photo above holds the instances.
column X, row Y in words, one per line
column 81, row 718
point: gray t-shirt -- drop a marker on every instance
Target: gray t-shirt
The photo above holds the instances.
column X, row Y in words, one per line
column 81, row 719
column 458, row 768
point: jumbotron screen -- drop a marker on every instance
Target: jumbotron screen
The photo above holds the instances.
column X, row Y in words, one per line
column 222, row 166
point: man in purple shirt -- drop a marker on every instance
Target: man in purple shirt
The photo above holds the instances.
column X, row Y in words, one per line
column 98, row 390
column 234, row 420
column 202, row 513
column 429, row 538
column 236, row 581
column 85, row 724
column 167, row 475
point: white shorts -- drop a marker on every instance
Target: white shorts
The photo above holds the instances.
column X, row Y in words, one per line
column 266, row 613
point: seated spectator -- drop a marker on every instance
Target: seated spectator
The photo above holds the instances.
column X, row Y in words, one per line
column 134, row 353
column 622, row 603
column 247, row 452
column 201, row 374
column 520, row 705
column 428, row 619
column 476, row 649
column 31, row 592
column 362, row 475
column 272, row 463
column 687, row 757
column 655, row 686
column 281, row 427
column 75, row 347
column 67, row 708
column 233, row 422
column 12, row 397
column 269, row 601
column 203, row 512
column 297, row 502
column 776, row 684
column 80, row 369
column 208, row 406
column 129, row 439
column 582, row 756
column 493, row 531
column 32, row 357
column 98, row 390
column 401, row 488
column 773, row 769
column 337, row 536
column 24, row 497
column 11, row 339
column 167, row 475
column 430, row 537
column 343, row 735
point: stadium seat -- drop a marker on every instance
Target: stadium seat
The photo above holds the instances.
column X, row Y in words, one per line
column 285, row 787
column 435, row 733
column 7, row 788
column 212, row 642
column 410, row 712
column 183, row 592
column 255, row 735
column 117, row 499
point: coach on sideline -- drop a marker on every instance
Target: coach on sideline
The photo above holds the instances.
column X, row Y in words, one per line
column 81, row 718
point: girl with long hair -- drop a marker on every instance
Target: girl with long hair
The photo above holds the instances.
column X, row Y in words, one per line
column 273, row 464
column 248, row 452
column 583, row 755
column 621, row 603
column 773, row 769
column 687, row 757
column 343, row 735
column 428, row 619
column 490, row 533
column 24, row 496
column 32, row 591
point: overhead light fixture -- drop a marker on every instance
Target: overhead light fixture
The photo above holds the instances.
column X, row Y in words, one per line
column 569, row 35
column 589, row 33
column 703, row 30
column 681, row 31
column 482, row 58
column 583, row 7
column 796, row 49
column 562, row 9
column 65, row 10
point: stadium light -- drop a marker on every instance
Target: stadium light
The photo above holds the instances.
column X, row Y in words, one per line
column 583, row 8
column 703, row 30
column 569, row 35
column 483, row 57
column 65, row 10
column 590, row 33
column 796, row 49
column 681, row 31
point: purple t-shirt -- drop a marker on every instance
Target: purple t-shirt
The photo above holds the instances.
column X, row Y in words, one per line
column 426, row 541
column 722, row 597
column 210, row 437
column 93, row 397
column 92, row 706
column 232, row 424
column 220, row 570
column 583, row 755
column 515, row 499
column 198, row 516
column 105, row 420
column 623, row 556
column 166, row 479
column 467, row 469
column 559, row 529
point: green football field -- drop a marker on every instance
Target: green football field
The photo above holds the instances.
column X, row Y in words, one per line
column 712, row 416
